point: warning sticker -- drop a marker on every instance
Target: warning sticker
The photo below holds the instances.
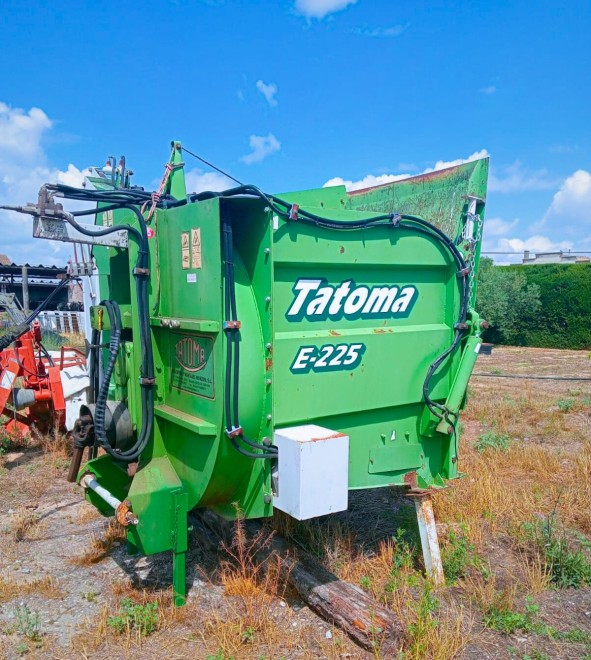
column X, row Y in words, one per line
column 192, row 364
column 196, row 248
column 8, row 379
column 185, row 250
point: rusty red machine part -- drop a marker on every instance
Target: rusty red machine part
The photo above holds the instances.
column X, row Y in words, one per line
column 31, row 391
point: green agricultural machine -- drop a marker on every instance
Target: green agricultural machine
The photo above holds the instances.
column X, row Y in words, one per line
column 255, row 351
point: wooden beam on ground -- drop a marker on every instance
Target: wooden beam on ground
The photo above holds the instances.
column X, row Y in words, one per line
column 341, row 603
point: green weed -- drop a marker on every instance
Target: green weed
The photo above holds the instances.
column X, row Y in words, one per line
column 143, row 618
column 565, row 405
column 425, row 620
column 569, row 567
column 492, row 440
column 457, row 556
column 508, row 621
column 28, row 623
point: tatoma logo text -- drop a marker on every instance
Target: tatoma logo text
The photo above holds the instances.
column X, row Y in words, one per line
column 315, row 300
column 190, row 354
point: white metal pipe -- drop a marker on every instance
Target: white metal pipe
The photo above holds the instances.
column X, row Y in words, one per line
column 88, row 481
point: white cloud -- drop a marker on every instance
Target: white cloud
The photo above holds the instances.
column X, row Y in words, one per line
column 535, row 244
column 23, row 169
column 199, row 181
column 571, row 205
column 321, row 8
column 381, row 32
column 372, row 180
column 444, row 164
column 566, row 225
column 367, row 182
column 262, row 146
column 491, row 89
column 516, row 178
column 268, row 91
column 563, row 148
column 498, row 226
column 21, row 132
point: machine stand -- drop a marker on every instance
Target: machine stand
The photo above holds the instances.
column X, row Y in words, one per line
column 179, row 577
column 179, row 547
column 429, row 541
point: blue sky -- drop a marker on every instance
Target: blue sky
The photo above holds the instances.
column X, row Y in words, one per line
column 293, row 94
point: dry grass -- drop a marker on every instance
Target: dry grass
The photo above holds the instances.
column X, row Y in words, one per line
column 546, row 468
column 24, row 525
column 504, row 489
column 11, row 589
column 486, row 595
column 86, row 513
column 536, row 573
column 100, row 546
column 56, row 446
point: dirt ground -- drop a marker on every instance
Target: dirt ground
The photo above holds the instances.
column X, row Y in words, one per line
column 65, row 575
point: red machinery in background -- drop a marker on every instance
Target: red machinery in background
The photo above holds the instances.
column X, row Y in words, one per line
column 31, row 384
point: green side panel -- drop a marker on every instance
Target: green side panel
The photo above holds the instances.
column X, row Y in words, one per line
column 338, row 328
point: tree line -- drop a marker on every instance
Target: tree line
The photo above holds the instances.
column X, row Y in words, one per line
column 548, row 306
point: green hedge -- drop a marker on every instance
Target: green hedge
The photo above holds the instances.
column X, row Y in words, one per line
column 565, row 317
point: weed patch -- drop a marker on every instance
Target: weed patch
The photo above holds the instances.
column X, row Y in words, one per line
column 458, row 556
column 141, row 617
column 28, row 623
column 492, row 440
column 567, row 566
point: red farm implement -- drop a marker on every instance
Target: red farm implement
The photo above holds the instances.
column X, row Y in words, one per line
column 34, row 383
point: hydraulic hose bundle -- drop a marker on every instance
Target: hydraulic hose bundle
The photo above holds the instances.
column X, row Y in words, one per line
column 231, row 328
column 293, row 214
column 126, row 199
column 132, row 199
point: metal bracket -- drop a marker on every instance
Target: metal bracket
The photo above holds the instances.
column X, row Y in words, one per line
column 57, row 229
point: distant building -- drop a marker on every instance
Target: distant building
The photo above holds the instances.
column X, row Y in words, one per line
column 559, row 257
column 32, row 284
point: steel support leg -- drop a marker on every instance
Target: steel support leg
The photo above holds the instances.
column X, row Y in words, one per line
column 429, row 541
column 179, row 547
column 179, row 577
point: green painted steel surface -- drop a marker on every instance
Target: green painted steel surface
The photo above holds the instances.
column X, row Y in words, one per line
column 316, row 344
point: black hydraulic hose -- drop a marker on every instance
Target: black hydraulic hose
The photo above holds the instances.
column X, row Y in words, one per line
column 33, row 315
column 93, row 370
column 147, row 362
column 103, row 394
column 47, row 355
column 234, row 430
column 394, row 220
column 18, row 331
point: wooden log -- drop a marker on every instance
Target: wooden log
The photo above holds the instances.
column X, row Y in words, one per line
column 367, row 622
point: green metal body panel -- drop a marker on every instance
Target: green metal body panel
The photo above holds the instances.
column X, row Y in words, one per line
column 374, row 395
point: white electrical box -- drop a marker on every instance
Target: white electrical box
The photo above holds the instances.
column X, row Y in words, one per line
column 313, row 471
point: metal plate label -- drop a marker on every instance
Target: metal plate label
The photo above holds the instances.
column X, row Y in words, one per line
column 192, row 367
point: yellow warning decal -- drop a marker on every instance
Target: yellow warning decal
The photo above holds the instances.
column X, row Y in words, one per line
column 196, row 248
column 185, row 251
